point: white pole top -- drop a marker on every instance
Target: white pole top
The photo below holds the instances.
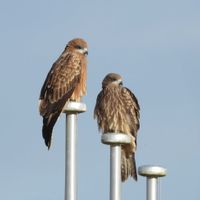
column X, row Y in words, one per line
column 152, row 171
column 74, row 107
column 115, row 138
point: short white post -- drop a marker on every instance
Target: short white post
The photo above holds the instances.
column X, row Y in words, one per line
column 115, row 140
column 152, row 173
column 71, row 109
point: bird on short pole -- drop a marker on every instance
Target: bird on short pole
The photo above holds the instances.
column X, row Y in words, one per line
column 66, row 81
column 117, row 111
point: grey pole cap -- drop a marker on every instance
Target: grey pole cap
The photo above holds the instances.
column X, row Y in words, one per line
column 152, row 171
column 74, row 107
column 115, row 138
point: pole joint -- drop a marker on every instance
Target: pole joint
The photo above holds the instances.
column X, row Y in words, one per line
column 115, row 140
column 74, row 107
column 152, row 173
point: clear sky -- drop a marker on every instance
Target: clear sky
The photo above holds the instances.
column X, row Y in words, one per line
column 154, row 45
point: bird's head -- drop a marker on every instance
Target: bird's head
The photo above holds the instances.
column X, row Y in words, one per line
column 112, row 79
column 78, row 45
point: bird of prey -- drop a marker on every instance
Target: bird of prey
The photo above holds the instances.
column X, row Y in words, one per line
column 117, row 111
column 65, row 81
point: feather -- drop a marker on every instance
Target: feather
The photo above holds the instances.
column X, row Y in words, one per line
column 65, row 81
column 117, row 110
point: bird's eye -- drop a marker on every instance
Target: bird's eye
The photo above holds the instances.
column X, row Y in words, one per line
column 78, row 47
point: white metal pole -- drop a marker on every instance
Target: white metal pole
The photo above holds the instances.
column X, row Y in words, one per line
column 70, row 157
column 115, row 140
column 152, row 192
column 152, row 173
column 115, row 172
column 71, row 109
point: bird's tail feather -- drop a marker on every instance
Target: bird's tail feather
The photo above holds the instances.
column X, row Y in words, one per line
column 128, row 166
column 48, row 124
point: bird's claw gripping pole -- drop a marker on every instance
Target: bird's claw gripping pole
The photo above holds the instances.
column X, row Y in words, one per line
column 115, row 140
column 71, row 109
column 152, row 173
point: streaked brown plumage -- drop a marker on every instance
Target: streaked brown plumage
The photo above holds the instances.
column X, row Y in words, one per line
column 65, row 81
column 117, row 110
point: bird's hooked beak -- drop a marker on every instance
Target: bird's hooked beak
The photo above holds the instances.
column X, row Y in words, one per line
column 85, row 50
column 121, row 83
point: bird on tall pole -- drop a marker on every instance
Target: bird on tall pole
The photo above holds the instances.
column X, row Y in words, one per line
column 117, row 111
column 66, row 81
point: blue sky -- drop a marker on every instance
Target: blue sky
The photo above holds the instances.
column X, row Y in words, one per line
column 154, row 45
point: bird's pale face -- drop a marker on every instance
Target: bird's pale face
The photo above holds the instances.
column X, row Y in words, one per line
column 78, row 45
column 112, row 79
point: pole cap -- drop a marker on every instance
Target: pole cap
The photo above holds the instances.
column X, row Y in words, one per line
column 115, row 138
column 152, row 171
column 74, row 107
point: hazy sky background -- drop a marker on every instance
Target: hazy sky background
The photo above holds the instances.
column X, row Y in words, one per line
column 154, row 45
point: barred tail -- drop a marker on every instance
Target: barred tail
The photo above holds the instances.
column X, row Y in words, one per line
column 128, row 166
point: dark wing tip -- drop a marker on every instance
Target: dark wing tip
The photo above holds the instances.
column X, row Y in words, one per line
column 47, row 133
column 134, row 168
column 47, row 129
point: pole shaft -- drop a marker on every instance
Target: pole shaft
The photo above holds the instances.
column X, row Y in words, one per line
column 70, row 157
column 152, row 189
column 115, row 172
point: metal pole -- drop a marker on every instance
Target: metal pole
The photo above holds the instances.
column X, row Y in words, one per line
column 152, row 173
column 71, row 109
column 115, row 140
column 152, row 192
column 70, row 157
column 115, row 172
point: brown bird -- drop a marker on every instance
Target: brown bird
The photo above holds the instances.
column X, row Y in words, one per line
column 65, row 81
column 117, row 110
